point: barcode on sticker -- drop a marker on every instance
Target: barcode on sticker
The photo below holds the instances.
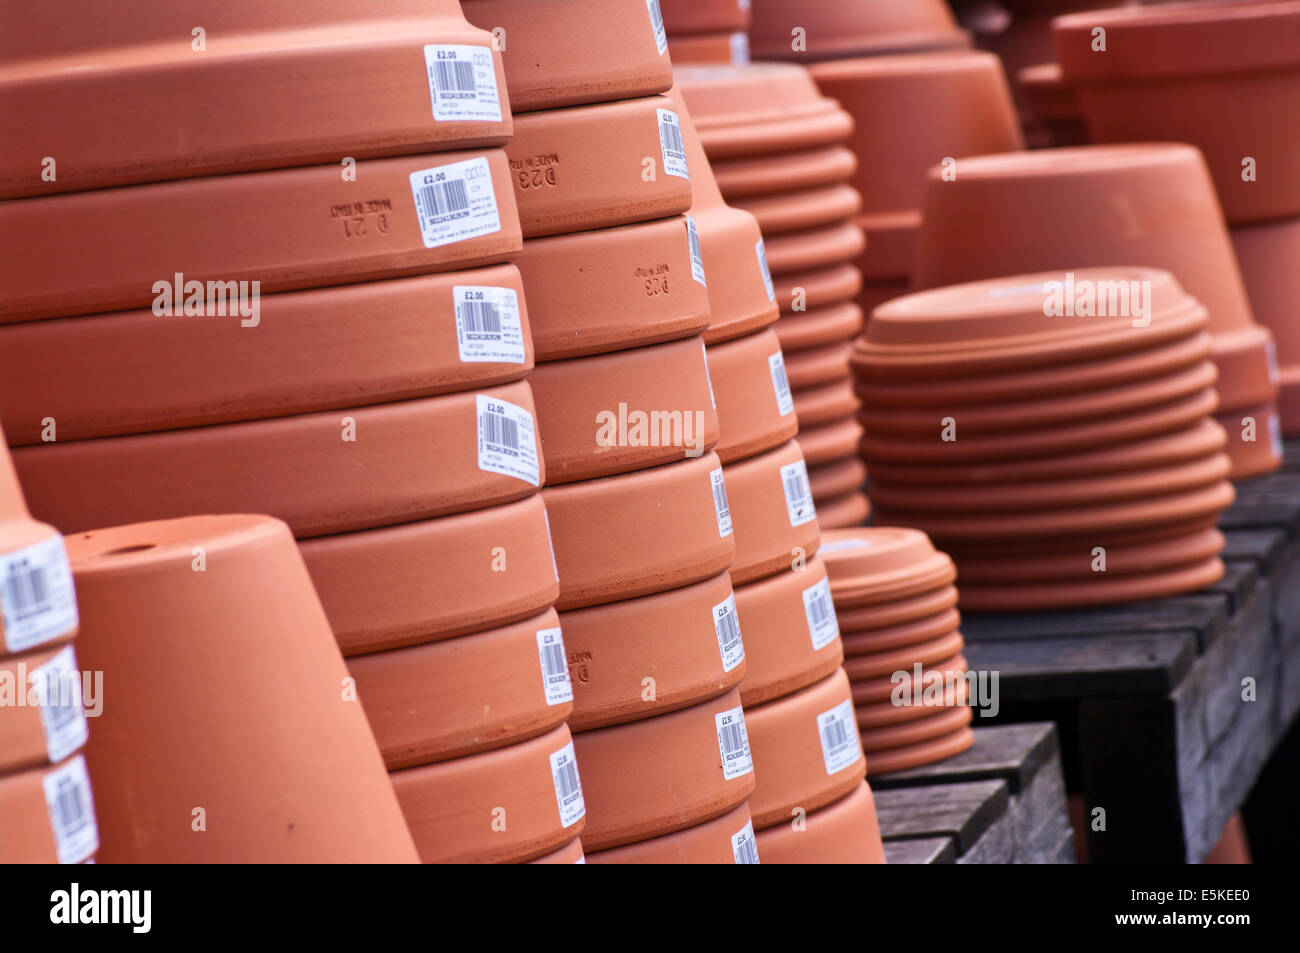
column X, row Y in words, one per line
column 550, row 542
column 657, row 24
column 671, row 144
column 507, row 440
column 798, row 494
column 733, row 743
column 743, row 845
column 726, row 625
column 839, row 733
column 780, row 384
column 488, row 325
column 462, row 83
column 36, row 595
column 823, row 626
column 568, row 788
column 697, row 258
column 708, row 375
column 765, row 271
column 72, row 811
column 720, row 504
column 455, row 202
column 555, row 667
column 63, row 716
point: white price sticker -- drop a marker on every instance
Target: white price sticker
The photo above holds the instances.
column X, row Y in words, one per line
column 733, row 743
column 819, row 607
column 657, row 25
column 726, row 625
column 555, row 667
column 839, row 733
column 697, row 258
column 761, row 250
column 780, row 384
column 507, row 440
column 744, row 847
column 798, row 494
column 36, row 595
column 568, row 788
column 462, row 83
column 455, row 202
column 671, row 144
column 488, row 325
column 63, row 715
column 708, row 376
column 720, row 505
column 72, row 811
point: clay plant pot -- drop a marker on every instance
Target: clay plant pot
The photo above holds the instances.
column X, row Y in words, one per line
column 642, row 657
column 808, row 746
column 730, row 48
column 584, row 167
column 831, row 29
column 825, row 404
column 369, row 343
column 551, row 61
column 876, row 665
column 685, row 17
column 814, row 290
column 1264, row 253
column 310, row 230
column 819, row 327
column 815, row 249
column 456, row 697
column 627, row 410
column 877, row 717
column 924, row 752
column 880, row 688
column 791, row 636
column 755, row 405
column 1237, row 63
column 277, row 88
column 49, row 815
column 42, row 720
column 915, row 731
column 830, row 442
column 1101, row 590
column 862, row 619
column 728, row 839
column 795, row 211
column 330, row 472
column 433, row 579
column 836, row 479
column 658, row 775
column 819, row 366
column 845, row 832
column 742, row 177
column 1053, row 104
column 570, row 853
column 839, row 512
column 772, row 511
column 882, row 565
column 612, row 288
column 638, row 533
column 888, row 637
column 285, row 769
column 1254, row 439
column 507, row 805
column 38, row 604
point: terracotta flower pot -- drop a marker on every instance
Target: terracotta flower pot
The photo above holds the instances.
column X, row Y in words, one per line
column 819, row 327
column 888, row 637
column 818, row 288
column 851, row 509
column 817, row 367
column 859, row 619
column 875, row 565
column 38, row 604
column 829, row 442
column 743, row 177
column 879, row 716
column 315, row 350
column 570, row 853
column 456, row 697
column 658, row 775
column 42, row 720
column 1100, row 590
column 728, row 839
column 791, row 636
column 795, row 211
column 807, row 747
column 836, row 479
column 880, row 688
column 1254, row 439
column 826, row 404
column 119, row 249
column 772, row 511
column 915, row 731
column 845, row 832
column 272, row 768
column 815, row 249
column 49, row 815
column 684, row 17
column 755, row 405
column 925, row 752
column 1264, row 253
column 638, row 533
column 833, row 29
column 550, row 60
column 276, row 88
column 641, row 657
column 586, row 167
column 612, row 288
column 885, row 663
column 1237, row 63
column 623, row 411
column 1053, row 104
column 329, row 472
column 730, row 48
column 507, row 805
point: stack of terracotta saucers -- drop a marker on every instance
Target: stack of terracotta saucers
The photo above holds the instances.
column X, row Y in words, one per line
column 897, row 606
column 1217, row 75
column 46, row 809
column 1052, row 432
column 1148, row 204
column 706, row 31
column 777, row 147
column 811, row 30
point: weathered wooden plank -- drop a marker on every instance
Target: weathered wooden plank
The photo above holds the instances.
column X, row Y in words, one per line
column 997, row 845
column 921, row 850
column 1239, row 579
column 1204, row 613
column 961, row 811
column 1262, row 545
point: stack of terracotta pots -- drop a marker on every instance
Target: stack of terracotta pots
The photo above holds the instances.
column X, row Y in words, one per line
column 811, row 30
column 706, row 31
column 898, row 611
column 777, row 148
column 47, row 812
column 1053, row 432
column 1148, row 204
column 1226, row 78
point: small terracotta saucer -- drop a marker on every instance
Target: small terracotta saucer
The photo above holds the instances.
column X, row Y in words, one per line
column 51, row 729
column 502, row 806
column 854, row 620
column 815, row 249
column 1251, row 458
column 655, row 776
column 1102, row 589
column 755, row 405
column 723, row 840
column 830, row 442
column 868, row 691
column 801, row 331
column 773, row 512
column 791, row 636
column 638, row 533
column 889, row 637
column 916, row 730
column 880, row 664
column 838, row 478
column 570, row 853
column 788, row 172
column 818, row 288
column 817, row 367
column 925, row 752
column 31, row 821
column 643, row 657
column 845, row 832
column 584, row 167
column 884, row 715
column 870, row 565
column 841, row 512
column 798, row 211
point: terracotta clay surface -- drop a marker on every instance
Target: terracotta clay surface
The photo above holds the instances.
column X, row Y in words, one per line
column 455, row 697
column 38, row 603
column 550, row 60
column 683, row 638
column 374, row 342
column 881, row 664
column 819, row 327
column 817, row 288
column 815, row 249
column 845, row 832
column 755, row 407
column 836, row 479
column 791, row 637
column 795, row 211
column 407, row 461
column 1265, row 253
column 924, row 752
column 30, row 818
column 1053, row 104
column 826, row 404
column 637, row 533
column 819, row 366
column 831, row 441
column 123, row 100
column 40, row 723
column 1100, row 590
column 659, row 775
column 835, row 29
column 1254, row 440
column 879, row 688
column 454, row 808
column 872, row 565
column 119, row 249
column 612, row 288
column 856, row 619
column 289, row 767
column 791, row 171
column 878, row 716
column 852, row 509
column 797, row 741
column 772, row 511
column 915, row 731
column 888, row 637
column 684, row 17
column 713, row 842
column 570, row 853
column 732, row 48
